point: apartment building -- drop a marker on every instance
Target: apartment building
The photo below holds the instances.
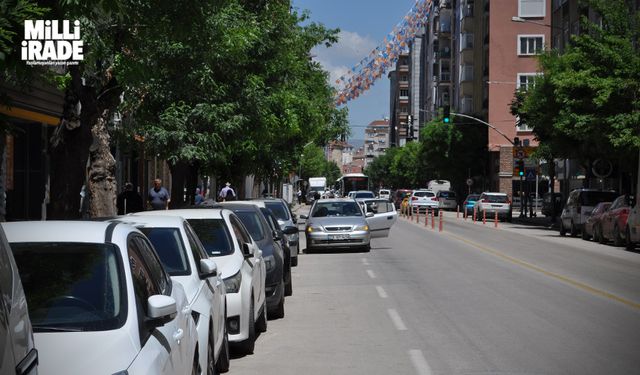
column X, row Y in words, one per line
column 400, row 103
column 376, row 139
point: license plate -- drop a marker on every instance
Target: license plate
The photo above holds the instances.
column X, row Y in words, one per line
column 496, row 205
column 339, row 237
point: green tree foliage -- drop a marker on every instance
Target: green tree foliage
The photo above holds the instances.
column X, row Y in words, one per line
column 587, row 102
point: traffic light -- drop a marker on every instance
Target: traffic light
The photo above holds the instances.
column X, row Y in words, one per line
column 520, row 167
column 446, row 117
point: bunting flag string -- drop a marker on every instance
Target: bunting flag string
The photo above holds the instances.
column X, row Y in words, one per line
column 362, row 76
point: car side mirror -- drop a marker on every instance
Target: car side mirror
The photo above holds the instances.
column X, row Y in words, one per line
column 304, row 217
column 276, row 235
column 208, row 268
column 369, row 214
column 161, row 310
column 246, row 250
column 290, row 230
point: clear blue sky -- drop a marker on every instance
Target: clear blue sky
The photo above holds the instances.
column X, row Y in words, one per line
column 363, row 25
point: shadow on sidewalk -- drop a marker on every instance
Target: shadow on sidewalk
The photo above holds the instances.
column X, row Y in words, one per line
column 537, row 222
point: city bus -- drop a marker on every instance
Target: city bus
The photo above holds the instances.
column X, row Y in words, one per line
column 351, row 182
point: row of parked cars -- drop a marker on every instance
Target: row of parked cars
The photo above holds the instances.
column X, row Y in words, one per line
column 157, row 292
column 603, row 216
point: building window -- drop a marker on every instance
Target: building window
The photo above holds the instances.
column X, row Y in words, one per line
column 466, row 73
column 404, row 78
column 530, row 44
column 525, row 80
column 531, row 8
column 467, row 104
column 466, row 41
column 404, row 93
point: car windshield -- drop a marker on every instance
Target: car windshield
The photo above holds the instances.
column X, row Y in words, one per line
column 424, row 194
column 472, row 198
column 170, row 248
column 447, row 194
column 591, row 198
column 252, row 222
column 72, row 286
column 336, row 209
column 365, row 194
column 214, row 236
column 279, row 210
column 496, row 198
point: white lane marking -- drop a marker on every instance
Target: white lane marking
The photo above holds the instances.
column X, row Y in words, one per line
column 365, row 261
column 397, row 321
column 371, row 274
column 419, row 362
column 381, row 292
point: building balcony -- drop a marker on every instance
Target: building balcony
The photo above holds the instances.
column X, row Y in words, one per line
column 403, row 84
column 466, row 73
column 466, row 15
column 467, row 105
column 466, row 41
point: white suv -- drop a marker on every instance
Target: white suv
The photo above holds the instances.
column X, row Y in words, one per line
column 240, row 261
column 420, row 200
column 100, row 300
column 491, row 203
column 186, row 261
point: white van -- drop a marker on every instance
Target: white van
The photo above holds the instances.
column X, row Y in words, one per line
column 437, row 185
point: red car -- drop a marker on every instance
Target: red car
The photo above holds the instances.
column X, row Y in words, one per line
column 614, row 221
column 592, row 225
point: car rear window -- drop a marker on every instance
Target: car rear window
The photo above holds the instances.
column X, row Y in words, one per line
column 72, row 286
column 472, row 198
column 170, row 248
column 424, row 194
column 496, row 198
column 279, row 210
column 365, row 194
column 447, row 194
column 591, row 198
column 214, row 235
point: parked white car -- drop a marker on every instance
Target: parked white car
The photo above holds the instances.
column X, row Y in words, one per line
column 186, row 261
column 18, row 354
column 100, row 301
column 240, row 261
column 488, row 204
column 421, row 200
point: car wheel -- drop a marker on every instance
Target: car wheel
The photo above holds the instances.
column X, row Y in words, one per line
column 294, row 261
column 563, row 231
column 601, row 237
column 617, row 239
column 574, row 230
column 195, row 368
column 222, row 365
column 261, row 324
column 278, row 313
column 288, row 286
column 248, row 345
column 627, row 240
column 211, row 360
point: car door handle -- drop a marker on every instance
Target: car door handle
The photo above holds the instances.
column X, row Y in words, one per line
column 178, row 335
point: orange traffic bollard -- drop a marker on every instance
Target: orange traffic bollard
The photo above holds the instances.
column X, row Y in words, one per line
column 418, row 216
column 474, row 215
column 440, row 224
column 484, row 217
column 457, row 212
column 496, row 220
column 426, row 217
column 433, row 221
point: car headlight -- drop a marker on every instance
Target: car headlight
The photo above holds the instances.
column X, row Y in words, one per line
column 232, row 284
column 269, row 262
column 362, row 227
column 313, row 228
column 292, row 238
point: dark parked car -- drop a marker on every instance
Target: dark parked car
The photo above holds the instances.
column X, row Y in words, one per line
column 592, row 225
column 272, row 252
column 552, row 202
column 614, row 220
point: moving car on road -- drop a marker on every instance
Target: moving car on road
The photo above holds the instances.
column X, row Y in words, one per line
column 100, row 300
column 240, row 262
column 186, row 261
column 469, row 203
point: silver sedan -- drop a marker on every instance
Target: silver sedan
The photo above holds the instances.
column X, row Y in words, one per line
column 337, row 223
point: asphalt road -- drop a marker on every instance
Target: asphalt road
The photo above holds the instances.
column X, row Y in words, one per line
column 472, row 299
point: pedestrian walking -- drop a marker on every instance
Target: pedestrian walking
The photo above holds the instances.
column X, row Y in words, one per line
column 158, row 196
column 129, row 200
column 198, row 198
column 299, row 194
column 227, row 193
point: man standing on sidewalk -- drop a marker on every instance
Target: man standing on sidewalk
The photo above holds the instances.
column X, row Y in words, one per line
column 158, row 197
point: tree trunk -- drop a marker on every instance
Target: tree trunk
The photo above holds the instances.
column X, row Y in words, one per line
column 178, row 176
column 101, row 183
column 69, row 150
